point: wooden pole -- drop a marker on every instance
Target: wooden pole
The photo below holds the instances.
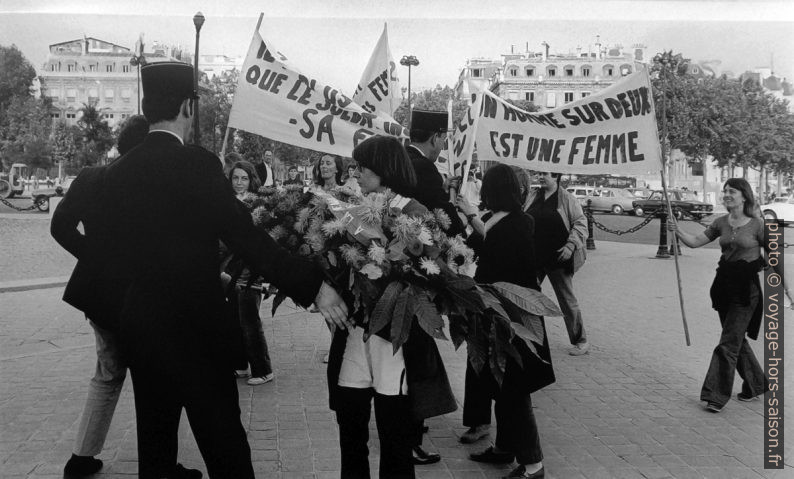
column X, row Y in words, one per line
column 663, row 74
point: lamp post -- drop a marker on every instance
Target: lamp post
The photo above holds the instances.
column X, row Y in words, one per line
column 198, row 21
column 409, row 61
column 138, row 60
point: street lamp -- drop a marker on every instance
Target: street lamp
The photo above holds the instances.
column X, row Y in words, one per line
column 409, row 61
column 138, row 60
column 198, row 21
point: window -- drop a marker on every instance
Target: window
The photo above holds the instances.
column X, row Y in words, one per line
column 71, row 94
column 585, row 71
column 70, row 67
column 93, row 93
column 92, row 68
column 125, row 68
column 55, row 116
column 476, row 72
column 126, row 93
column 124, row 116
column 514, row 72
column 109, row 68
column 109, row 94
column 513, row 95
column 529, row 96
column 71, row 116
column 568, row 96
column 551, row 100
column 530, row 72
column 108, row 116
column 569, row 72
column 552, row 72
column 52, row 67
column 609, row 71
column 585, row 93
column 625, row 70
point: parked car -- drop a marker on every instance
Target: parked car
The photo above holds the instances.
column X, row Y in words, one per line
column 782, row 212
column 683, row 203
column 42, row 195
column 615, row 200
column 640, row 192
column 580, row 191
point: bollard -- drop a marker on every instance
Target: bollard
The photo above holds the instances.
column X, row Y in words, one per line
column 590, row 243
column 675, row 245
column 662, row 252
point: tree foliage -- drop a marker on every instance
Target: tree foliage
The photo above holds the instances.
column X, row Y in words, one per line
column 16, row 75
column 25, row 127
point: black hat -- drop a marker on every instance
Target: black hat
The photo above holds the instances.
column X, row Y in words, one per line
column 435, row 121
column 168, row 80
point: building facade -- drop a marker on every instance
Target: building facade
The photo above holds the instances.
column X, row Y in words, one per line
column 551, row 80
column 95, row 72
column 217, row 65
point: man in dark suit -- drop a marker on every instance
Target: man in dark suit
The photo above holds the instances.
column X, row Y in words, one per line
column 100, row 299
column 428, row 136
column 168, row 205
column 264, row 169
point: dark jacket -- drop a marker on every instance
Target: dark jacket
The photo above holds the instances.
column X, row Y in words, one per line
column 734, row 283
column 507, row 254
column 261, row 172
column 429, row 390
column 167, row 207
column 430, row 190
column 88, row 290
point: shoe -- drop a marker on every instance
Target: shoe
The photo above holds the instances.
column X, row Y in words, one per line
column 80, row 466
column 241, row 373
column 714, row 407
column 579, row 349
column 261, row 380
column 181, row 472
column 492, row 457
column 475, row 433
column 423, row 458
column 521, row 471
column 745, row 397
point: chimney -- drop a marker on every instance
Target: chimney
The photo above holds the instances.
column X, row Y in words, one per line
column 545, row 51
column 512, row 48
column 527, row 47
column 598, row 46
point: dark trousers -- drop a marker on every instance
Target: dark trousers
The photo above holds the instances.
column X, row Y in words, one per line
column 562, row 283
column 208, row 394
column 516, row 429
column 395, row 431
column 256, row 352
column 733, row 353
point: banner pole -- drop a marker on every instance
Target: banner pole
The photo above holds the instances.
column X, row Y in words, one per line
column 663, row 146
column 223, row 147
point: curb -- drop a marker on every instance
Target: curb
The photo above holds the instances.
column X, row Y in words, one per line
column 31, row 284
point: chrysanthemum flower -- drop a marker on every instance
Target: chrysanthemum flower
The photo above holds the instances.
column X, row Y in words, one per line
column 429, row 266
column 424, row 236
column 443, row 219
column 377, row 253
column 277, row 232
column 316, row 241
column 352, row 254
column 406, row 228
column 334, row 227
column 260, row 215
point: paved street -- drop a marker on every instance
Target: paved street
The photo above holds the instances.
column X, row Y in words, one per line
column 629, row 409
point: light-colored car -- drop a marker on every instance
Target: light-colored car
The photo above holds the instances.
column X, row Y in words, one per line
column 580, row 191
column 615, row 200
column 781, row 212
column 41, row 196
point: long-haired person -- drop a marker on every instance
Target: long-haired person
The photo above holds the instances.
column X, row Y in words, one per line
column 503, row 240
column 248, row 297
column 359, row 371
column 560, row 231
column 328, row 172
column 735, row 294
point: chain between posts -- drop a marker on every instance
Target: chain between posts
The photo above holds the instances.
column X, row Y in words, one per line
column 602, row 227
column 36, row 204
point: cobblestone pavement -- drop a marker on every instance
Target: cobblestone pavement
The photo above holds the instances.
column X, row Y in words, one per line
column 27, row 249
column 629, row 409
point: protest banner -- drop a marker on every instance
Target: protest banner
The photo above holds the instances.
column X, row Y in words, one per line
column 378, row 91
column 275, row 100
column 610, row 132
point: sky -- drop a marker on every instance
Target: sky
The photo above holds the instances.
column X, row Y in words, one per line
column 332, row 40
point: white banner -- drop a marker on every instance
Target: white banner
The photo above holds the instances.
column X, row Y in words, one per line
column 276, row 101
column 378, row 91
column 612, row 131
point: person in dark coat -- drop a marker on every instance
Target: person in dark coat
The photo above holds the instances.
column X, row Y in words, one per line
column 407, row 385
column 167, row 206
column 503, row 241
column 264, row 169
column 98, row 299
column 428, row 136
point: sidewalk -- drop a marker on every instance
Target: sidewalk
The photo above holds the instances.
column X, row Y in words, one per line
column 629, row 409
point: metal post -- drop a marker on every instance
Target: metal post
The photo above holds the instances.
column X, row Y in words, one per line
column 590, row 243
column 663, row 252
column 409, row 61
column 139, row 87
column 198, row 21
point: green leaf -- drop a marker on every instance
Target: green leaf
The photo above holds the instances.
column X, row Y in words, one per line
column 427, row 315
column 384, row 308
column 496, row 361
column 477, row 349
column 462, row 291
column 401, row 319
column 458, row 329
column 332, row 259
column 504, row 340
column 527, row 299
column 490, row 300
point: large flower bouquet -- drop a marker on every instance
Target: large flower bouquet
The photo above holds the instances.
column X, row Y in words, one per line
column 394, row 269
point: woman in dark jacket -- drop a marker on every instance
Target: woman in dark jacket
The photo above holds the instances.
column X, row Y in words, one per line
column 407, row 386
column 735, row 294
column 503, row 240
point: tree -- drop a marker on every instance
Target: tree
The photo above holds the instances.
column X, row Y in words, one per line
column 64, row 140
column 215, row 103
column 16, row 75
column 26, row 123
column 97, row 138
column 435, row 99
